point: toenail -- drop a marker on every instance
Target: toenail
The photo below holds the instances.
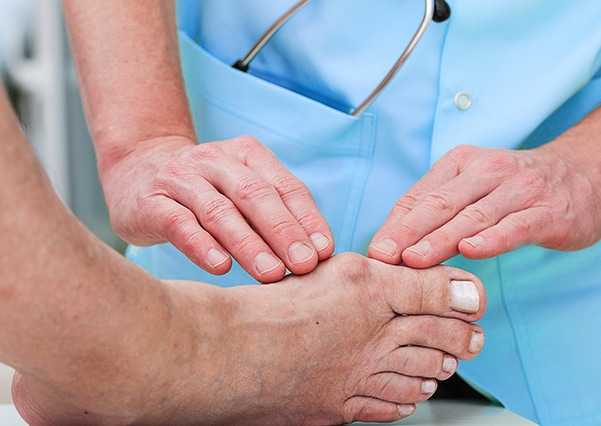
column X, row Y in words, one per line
column 386, row 246
column 266, row 262
column 300, row 253
column 428, row 386
column 476, row 342
column 320, row 241
column 464, row 296
column 422, row 248
column 405, row 410
column 449, row 364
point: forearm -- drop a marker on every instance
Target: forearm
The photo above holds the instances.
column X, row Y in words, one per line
column 580, row 144
column 127, row 60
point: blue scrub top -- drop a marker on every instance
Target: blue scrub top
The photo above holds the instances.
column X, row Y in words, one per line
column 529, row 68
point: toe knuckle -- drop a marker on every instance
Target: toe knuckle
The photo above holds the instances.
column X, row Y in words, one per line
column 353, row 266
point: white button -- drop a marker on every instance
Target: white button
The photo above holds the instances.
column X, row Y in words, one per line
column 463, row 100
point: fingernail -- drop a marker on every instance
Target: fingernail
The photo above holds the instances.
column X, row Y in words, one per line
column 422, row 248
column 476, row 342
column 386, row 246
column 464, row 297
column 266, row 262
column 405, row 410
column 300, row 253
column 428, row 386
column 216, row 257
column 449, row 364
column 320, row 241
column 474, row 241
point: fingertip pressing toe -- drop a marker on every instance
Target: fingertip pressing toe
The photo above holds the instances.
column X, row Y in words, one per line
column 475, row 241
column 217, row 258
column 422, row 248
column 387, row 247
column 320, row 242
column 268, row 268
column 300, row 253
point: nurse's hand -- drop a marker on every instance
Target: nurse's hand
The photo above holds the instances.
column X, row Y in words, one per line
column 484, row 202
column 216, row 199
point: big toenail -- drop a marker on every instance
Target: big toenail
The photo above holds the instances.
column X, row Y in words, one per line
column 449, row 364
column 476, row 342
column 464, row 296
column 428, row 386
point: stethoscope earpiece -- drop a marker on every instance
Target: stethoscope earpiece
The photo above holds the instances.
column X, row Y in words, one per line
column 442, row 11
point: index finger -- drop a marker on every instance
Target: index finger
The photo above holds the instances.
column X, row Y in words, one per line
column 406, row 223
column 292, row 192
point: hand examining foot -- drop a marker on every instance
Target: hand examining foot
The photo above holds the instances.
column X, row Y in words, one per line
column 216, row 199
column 355, row 340
column 483, row 202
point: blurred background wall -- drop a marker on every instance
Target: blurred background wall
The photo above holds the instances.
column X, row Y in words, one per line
column 36, row 67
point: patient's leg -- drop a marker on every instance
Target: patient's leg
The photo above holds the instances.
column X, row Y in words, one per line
column 355, row 339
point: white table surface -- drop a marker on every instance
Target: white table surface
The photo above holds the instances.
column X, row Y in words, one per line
column 447, row 413
column 434, row 413
column 9, row 416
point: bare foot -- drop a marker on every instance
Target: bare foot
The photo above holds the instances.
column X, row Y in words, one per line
column 354, row 340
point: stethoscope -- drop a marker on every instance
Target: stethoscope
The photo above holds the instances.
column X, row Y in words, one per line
column 435, row 10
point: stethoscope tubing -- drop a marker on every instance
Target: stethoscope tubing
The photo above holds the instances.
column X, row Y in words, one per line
column 429, row 12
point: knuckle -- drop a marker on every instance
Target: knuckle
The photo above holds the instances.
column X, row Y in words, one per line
column 431, row 326
column 459, row 155
column 407, row 201
column 176, row 230
column 533, row 182
column 441, row 202
column 216, row 210
column 252, row 188
column 166, row 174
column 478, row 215
column 245, row 244
column 246, row 143
column 500, row 161
column 283, row 228
column 204, row 154
column 289, row 187
column 419, row 290
column 248, row 147
column 190, row 241
column 460, row 151
column 174, row 220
